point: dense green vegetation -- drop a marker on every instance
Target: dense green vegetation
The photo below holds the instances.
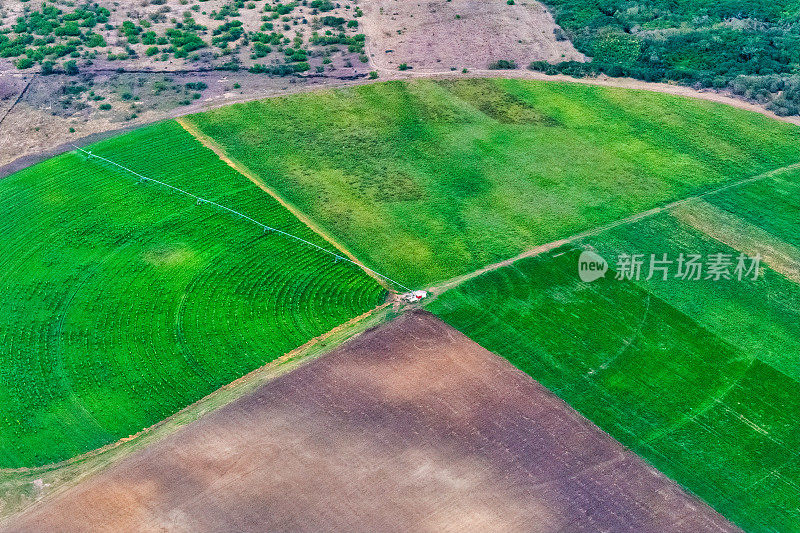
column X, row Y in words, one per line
column 751, row 47
column 434, row 179
column 699, row 377
column 124, row 302
column 50, row 34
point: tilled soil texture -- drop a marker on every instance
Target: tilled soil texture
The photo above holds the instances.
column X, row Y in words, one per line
column 454, row 34
column 410, row 427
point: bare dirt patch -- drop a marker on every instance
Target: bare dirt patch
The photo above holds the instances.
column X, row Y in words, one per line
column 410, row 427
column 442, row 34
column 138, row 76
column 39, row 121
column 740, row 235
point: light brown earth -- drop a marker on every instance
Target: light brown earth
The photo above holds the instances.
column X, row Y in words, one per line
column 443, row 34
column 742, row 236
column 44, row 115
column 410, row 427
column 160, row 14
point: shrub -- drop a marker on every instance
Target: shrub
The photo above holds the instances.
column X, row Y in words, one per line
column 322, row 5
column 93, row 40
column 71, row 67
column 503, row 64
column 23, row 63
column 333, row 21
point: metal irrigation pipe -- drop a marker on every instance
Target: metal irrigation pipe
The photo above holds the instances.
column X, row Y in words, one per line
column 254, row 221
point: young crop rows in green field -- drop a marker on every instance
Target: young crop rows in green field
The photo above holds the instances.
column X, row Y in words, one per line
column 435, row 179
column 701, row 377
column 123, row 302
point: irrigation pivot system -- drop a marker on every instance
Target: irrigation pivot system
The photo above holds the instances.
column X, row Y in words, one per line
column 264, row 227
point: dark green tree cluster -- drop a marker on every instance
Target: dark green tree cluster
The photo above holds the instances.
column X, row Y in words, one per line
column 354, row 44
column 48, row 34
column 283, row 69
column 227, row 33
column 695, row 42
column 184, row 42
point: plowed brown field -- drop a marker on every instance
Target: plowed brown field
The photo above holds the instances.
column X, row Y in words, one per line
column 409, row 427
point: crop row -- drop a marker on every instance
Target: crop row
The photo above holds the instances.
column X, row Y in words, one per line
column 697, row 377
column 123, row 302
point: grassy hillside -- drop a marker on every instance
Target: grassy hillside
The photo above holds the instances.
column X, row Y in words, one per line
column 699, row 377
column 124, row 302
column 432, row 179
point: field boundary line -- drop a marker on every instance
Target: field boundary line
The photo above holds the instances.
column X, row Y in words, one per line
column 636, row 217
column 200, row 200
column 271, row 365
column 222, row 154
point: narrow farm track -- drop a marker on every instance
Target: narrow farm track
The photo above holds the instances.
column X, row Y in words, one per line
column 215, row 147
column 393, row 75
column 444, row 286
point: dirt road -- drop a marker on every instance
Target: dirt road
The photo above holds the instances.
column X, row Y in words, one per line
column 16, row 157
column 547, row 247
column 212, row 145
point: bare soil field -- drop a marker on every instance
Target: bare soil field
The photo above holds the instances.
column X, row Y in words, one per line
column 455, row 34
column 409, row 427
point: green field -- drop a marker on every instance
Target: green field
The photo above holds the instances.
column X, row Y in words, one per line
column 433, row 179
column 123, row 302
column 701, row 378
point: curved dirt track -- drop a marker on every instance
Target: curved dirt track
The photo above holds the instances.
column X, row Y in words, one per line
column 393, row 75
column 410, row 427
column 605, row 81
